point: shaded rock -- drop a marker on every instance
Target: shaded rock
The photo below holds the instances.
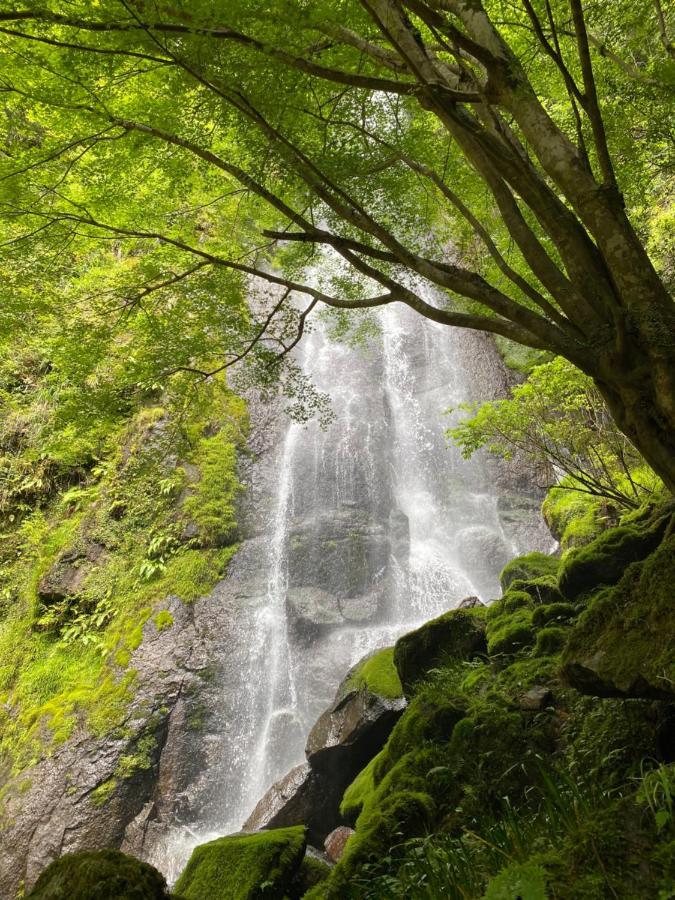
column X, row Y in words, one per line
column 458, row 633
column 336, row 842
column 286, row 803
column 355, row 727
column 66, row 576
column 314, row 869
column 470, row 603
column 99, row 875
column 236, row 867
column 536, row 699
column 480, row 547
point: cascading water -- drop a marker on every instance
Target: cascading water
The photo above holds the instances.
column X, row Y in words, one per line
column 375, row 526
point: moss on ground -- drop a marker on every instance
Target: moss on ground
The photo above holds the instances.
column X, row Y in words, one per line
column 99, row 875
column 244, row 866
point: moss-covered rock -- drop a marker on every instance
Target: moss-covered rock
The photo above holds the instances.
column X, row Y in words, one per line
column 550, row 640
column 623, row 643
column 244, row 866
column 99, row 875
column 458, row 634
column 528, row 567
column 553, row 614
column 604, row 561
column 508, row 632
column 377, row 674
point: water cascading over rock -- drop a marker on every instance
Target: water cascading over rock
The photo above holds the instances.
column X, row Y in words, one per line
column 356, row 533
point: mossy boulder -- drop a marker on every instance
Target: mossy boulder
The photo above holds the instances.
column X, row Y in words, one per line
column 312, row 872
column 458, row 634
column 377, row 674
column 528, row 567
column 622, row 645
column 244, row 866
column 541, row 590
column 553, row 614
column 508, row 630
column 604, row 561
column 99, row 875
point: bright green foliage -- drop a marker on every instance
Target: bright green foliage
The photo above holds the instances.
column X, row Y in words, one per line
column 115, row 545
column 359, row 790
column 99, row 875
column 523, row 880
column 557, row 419
column 244, row 867
column 509, row 630
column 378, row 675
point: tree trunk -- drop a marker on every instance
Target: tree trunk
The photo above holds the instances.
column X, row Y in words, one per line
column 639, row 390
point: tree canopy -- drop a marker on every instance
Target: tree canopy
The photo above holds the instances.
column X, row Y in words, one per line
column 494, row 165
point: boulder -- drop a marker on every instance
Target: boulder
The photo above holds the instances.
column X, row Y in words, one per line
column 470, row 603
column 458, row 633
column 528, row 568
column 622, row 646
column 244, row 866
column 99, row 875
column 536, row 699
column 336, row 842
column 344, row 739
column 604, row 561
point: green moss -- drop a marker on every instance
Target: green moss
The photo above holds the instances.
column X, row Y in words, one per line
column 100, row 795
column 553, row 613
column 574, row 518
column 458, row 634
column 525, row 568
column 526, row 881
column 312, row 872
column 628, row 629
column 605, row 559
column 378, row 674
column 244, row 866
column 163, row 620
column 211, row 505
column 551, row 640
column 359, row 791
column 510, row 633
column 99, row 875
column 140, row 759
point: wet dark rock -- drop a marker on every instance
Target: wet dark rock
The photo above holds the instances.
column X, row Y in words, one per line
column 458, row 633
column 336, row 842
column 470, row 603
column 342, row 742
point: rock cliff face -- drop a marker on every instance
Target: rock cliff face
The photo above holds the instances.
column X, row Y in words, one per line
column 352, row 535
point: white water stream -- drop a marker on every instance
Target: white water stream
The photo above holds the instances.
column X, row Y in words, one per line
column 376, row 526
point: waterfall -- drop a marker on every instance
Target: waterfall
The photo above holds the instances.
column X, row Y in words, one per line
column 375, row 525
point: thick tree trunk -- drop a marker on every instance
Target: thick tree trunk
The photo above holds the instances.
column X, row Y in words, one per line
column 640, row 392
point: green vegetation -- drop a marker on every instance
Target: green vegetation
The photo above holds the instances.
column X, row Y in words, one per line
column 99, row 875
column 558, row 421
column 502, row 778
column 118, row 516
column 535, row 143
column 244, row 867
column 378, row 675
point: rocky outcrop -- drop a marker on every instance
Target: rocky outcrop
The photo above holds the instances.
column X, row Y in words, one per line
column 336, row 842
column 344, row 739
